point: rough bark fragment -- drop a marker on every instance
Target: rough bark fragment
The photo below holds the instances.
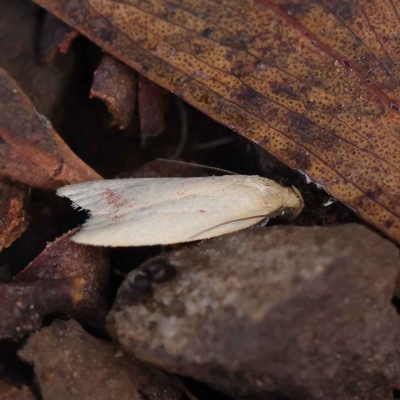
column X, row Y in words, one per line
column 64, row 258
column 115, row 84
column 13, row 199
column 151, row 108
column 31, row 151
column 24, row 304
column 55, row 37
column 71, row 364
column 304, row 312
column 305, row 80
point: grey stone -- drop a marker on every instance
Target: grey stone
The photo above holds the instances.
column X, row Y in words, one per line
column 300, row 312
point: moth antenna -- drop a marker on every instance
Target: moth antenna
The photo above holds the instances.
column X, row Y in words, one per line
column 198, row 165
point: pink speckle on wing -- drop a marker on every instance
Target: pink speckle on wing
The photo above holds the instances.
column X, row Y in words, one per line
column 114, row 199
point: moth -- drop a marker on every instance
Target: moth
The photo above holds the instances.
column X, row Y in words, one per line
column 151, row 211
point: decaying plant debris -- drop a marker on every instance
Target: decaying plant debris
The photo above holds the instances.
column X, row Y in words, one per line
column 13, row 218
column 24, row 305
column 296, row 310
column 64, row 258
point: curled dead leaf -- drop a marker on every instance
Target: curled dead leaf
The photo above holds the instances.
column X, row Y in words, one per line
column 115, row 84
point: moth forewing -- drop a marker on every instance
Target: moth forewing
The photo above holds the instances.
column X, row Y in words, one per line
column 150, row 211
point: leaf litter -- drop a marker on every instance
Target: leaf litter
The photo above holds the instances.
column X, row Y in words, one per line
column 313, row 83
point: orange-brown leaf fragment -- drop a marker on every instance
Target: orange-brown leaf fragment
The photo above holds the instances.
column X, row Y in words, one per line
column 55, row 37
column 315, row 83
column 13, row 200
column 151, row 108
column 64, row 258
column 115, row 83
column 31, row 151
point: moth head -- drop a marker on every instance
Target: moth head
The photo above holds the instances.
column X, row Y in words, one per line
column 293, row 203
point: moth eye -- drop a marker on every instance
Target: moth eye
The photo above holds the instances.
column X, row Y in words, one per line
column 160, row 271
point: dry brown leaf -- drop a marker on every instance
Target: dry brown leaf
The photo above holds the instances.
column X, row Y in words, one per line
column 31, row 151
column 115, row 84
column 314, row 83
